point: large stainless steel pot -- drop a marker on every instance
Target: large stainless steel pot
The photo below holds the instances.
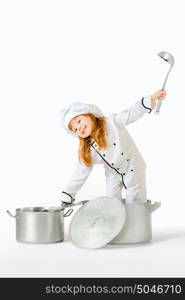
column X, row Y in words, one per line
column 107, row 220
column 41, row 225
column 138, row 224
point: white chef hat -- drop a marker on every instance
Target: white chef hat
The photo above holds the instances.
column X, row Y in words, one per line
column 75, row 109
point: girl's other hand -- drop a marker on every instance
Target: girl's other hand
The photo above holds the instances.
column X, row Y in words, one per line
column 159, row 95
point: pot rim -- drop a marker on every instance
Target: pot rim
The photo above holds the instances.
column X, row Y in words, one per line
column 134, row 203
column 37, row 209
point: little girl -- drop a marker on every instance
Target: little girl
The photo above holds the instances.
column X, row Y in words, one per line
column 105, row 140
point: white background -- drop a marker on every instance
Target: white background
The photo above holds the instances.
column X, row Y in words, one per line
column 101, row 52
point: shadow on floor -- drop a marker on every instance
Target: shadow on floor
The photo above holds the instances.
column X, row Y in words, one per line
column 158, row 237
column 163, row 236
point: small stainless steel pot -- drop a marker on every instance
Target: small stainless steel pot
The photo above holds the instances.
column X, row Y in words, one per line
column 40, row 224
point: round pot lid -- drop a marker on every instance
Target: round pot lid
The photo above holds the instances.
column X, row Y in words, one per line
column 97, row 222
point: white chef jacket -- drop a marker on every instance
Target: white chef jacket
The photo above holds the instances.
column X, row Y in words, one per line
column 122, row 161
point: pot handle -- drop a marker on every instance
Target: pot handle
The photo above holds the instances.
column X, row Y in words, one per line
column 68, row 213
column 155, row 206
column 10, row 214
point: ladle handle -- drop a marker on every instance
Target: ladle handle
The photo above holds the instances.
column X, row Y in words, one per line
column 159, row 102
column 158, row 106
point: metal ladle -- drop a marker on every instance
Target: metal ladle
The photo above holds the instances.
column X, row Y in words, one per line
column 169, row 59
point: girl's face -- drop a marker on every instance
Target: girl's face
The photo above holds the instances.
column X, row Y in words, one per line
column 82, row 126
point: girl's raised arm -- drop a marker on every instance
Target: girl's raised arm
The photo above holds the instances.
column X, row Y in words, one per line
column 135, row 112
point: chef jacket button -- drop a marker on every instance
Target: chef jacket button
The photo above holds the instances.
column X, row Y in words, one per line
column 131, row 170
column 123, row 173
column 128, row 159
column 95, row 145
column 112, row 164
column 114, row 144
column 104, row 155
column 121, row 153
column 117, row 168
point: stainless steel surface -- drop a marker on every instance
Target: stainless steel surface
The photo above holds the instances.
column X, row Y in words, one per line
column 138, row 226
column 97, row 222
column 169, row 59
column 39, row 225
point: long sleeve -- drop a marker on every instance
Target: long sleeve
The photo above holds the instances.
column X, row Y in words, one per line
column 135, row 112
column 77, row 180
